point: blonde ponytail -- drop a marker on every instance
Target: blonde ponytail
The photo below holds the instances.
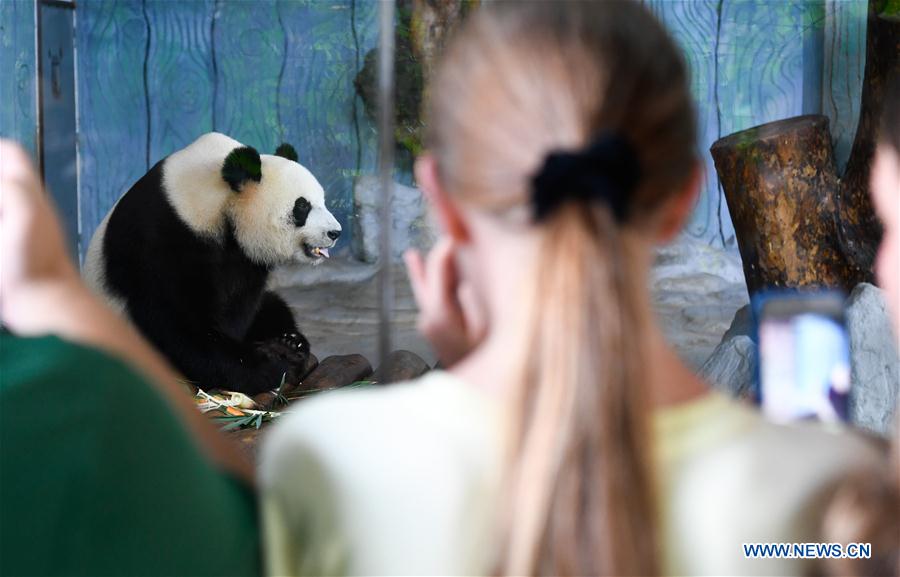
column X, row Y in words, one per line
column 582, row 500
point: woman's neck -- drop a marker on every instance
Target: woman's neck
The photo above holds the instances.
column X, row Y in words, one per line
column 504, row 270
column 671, row 381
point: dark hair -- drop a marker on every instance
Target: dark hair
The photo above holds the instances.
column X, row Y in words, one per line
column 890, row 119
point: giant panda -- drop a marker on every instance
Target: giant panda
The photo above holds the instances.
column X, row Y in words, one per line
column 186, row 252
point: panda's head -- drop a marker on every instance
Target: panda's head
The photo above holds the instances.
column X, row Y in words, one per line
column 277, row 207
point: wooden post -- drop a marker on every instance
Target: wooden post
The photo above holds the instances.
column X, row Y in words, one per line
column 797, row 223
column 781, row 188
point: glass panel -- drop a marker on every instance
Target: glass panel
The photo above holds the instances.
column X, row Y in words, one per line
column 154, row 76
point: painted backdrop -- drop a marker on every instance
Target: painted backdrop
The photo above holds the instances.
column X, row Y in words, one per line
column 154, row 74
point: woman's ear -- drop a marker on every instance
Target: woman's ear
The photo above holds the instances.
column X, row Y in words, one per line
column 448, row 214
column 678, row 209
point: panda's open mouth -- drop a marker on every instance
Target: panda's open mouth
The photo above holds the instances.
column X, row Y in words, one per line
column 315, row 252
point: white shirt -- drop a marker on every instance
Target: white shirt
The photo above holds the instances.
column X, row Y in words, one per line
column 405, row 480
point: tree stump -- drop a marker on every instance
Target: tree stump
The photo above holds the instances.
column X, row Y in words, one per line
column 781, row 188
column 797, row 223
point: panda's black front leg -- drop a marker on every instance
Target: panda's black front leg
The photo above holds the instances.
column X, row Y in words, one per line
column 214, row 360
column 273, row 320
column 274, row 335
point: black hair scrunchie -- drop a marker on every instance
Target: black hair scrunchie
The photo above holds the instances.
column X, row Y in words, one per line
column 607, row 170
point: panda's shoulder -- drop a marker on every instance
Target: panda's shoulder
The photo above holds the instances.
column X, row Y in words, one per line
column 206, row 151
column 191, row 181
column 212, row 143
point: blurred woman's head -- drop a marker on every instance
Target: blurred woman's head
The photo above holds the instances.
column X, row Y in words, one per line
column 886, row 194
column 864, row 508
column 561, row 144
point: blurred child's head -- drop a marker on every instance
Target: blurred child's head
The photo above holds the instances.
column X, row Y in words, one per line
column 561, row 145
column 886, row 194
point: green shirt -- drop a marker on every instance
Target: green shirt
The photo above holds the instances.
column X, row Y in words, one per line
column 98, row 477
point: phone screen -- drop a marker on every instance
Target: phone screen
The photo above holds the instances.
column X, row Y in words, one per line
column 804, row 357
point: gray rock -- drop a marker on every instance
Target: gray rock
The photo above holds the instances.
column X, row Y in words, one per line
column 732, row 366
column 875, row 375
column 875, row 363
column 412, row 227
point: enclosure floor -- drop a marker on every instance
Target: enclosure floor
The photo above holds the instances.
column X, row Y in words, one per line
column 696, row 291
column 336, row 307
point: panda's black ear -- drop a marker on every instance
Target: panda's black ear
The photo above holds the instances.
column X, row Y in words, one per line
column 242, row 164
column 286, row 151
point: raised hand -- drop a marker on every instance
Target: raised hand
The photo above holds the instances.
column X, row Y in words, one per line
column 446, row 309
column 33, row 257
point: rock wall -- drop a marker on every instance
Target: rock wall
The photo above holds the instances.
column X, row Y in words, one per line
column 412, row 226
column 875, row 365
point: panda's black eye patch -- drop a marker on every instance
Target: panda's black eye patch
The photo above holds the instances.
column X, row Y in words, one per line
column 301, row 211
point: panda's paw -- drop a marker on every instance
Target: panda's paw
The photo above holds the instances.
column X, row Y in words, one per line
column 289, row 351
column 295, row 341
column 283, row 348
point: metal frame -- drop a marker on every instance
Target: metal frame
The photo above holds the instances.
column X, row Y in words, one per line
column 385, row 172
column 39, row 137
column 59, row 3
column 41, row 121
column 39, row 71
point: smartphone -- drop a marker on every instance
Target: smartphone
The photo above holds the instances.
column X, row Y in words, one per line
column 804, row 355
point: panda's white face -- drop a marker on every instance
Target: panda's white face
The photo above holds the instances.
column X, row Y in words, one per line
column 283, row 217
column 275, row 205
